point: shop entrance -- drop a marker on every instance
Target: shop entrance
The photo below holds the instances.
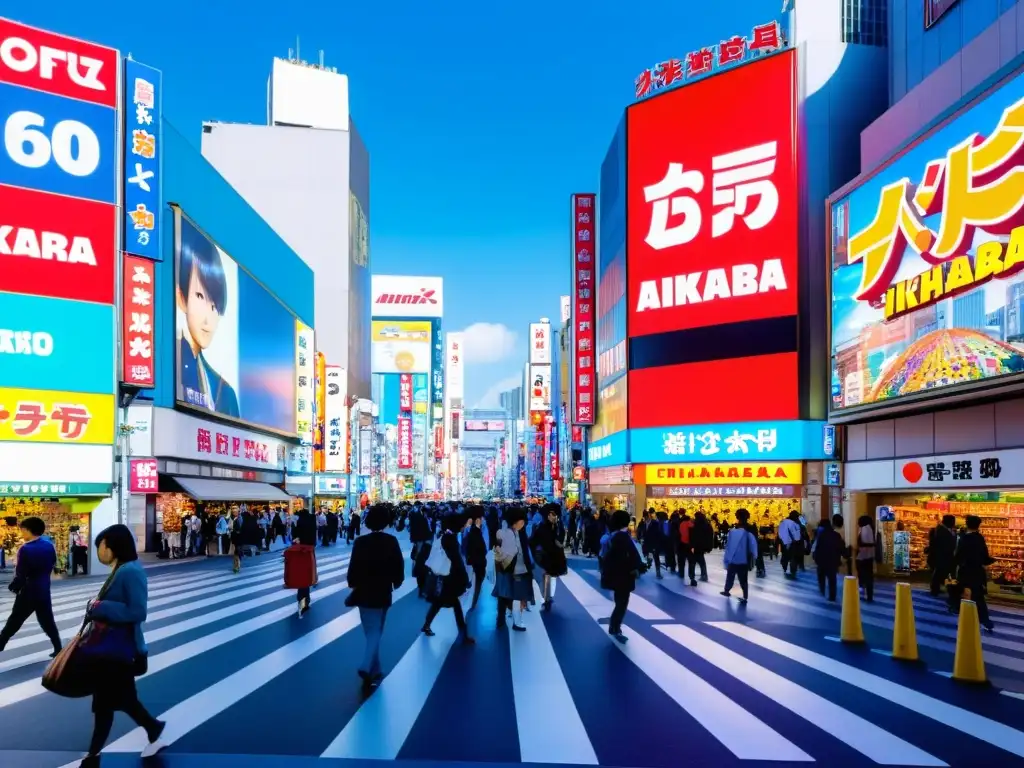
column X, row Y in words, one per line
column 66, row 520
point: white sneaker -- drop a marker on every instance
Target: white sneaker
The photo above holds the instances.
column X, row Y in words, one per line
column 153, row 748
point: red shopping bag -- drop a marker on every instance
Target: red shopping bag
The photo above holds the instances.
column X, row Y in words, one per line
column 299, row 567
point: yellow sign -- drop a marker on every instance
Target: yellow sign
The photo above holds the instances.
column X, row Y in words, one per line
column 44, row 416
column 401, row 330
column 785, row 473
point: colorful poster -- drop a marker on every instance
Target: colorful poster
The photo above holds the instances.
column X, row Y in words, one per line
column 400, row 346
column 926, row 257
column 405, row 458
column 143, row 149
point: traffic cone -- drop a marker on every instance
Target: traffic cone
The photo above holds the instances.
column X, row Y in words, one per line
column 904, row 635
column 851, row 631
column 968, row 664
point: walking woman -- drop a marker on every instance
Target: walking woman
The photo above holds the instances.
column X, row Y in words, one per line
column 621, row 565
column 376, row 569
column 548, row 544
column 476, row 550
column 513, row 569
column 454, row 584
column 122, row 602
column 304, row 533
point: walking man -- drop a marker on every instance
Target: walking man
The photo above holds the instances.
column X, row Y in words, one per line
column 31, row 584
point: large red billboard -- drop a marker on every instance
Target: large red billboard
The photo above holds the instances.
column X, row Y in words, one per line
column 712, row 201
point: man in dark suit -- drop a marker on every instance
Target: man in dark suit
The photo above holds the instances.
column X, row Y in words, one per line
column 941, row 547
column 36, row 561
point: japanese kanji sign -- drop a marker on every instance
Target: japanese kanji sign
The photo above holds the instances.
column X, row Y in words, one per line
column 540, row 343
column 984, row 469
column 43, row 416
column 143, row 198
column 670, row 73
column 305, row 373
column 757, row 491
column 405, row 442
column 138, row 336
column 336, row 420
column 767, row 473
column 143, row 476
column 583, row 389
column 405, row 392
column 742, row 441
column 939, row 227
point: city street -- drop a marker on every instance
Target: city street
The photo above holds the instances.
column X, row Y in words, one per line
column 242, row 681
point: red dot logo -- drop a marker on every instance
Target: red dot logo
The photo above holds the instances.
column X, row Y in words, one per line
column 912, row 471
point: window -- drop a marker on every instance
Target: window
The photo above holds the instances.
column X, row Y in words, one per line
column 865, row 22
column 934, row 9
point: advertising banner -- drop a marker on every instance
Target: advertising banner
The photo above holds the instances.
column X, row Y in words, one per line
column 143, row 476
column 47, row 416
column 478, row 425
column 565, row 308
column 540, row 388
column 405, row 392
column 405, row 442
column 437, row 365
column 722, row 491
column 456, row 430
column 964, row 470
column 609, row 451
column 180, row 435
column 138, row 334
column 336, row 420
column 775, row 440
column 49, row 342
column 400, row 346
column 927, row 292
column 365, row 451
column 57, row 246
column 319, row 424
column 439, row 441
column 235, row 341
column 404, row 296
column 454, row 366
column 143, row 150
column 583, row 389
column 540, row 343
column 305, row 382
column 773, row 473
column 712, row 214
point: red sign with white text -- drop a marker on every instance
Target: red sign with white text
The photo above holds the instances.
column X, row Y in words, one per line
column 439, row 441
column 405, row 392
column 56, row 246
column 404, row 442
column 712, row 201
column 143, row 476
column 138, row 337
column 584, row 285
column 57, row 64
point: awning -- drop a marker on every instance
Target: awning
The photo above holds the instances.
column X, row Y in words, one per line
column 204, row 489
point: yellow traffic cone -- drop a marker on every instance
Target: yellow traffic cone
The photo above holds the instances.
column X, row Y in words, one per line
column 904, row 635
column 851, row 630
column 968, row 664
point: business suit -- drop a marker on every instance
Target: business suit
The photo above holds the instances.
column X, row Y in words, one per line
column 36, row 560
column 198, row 375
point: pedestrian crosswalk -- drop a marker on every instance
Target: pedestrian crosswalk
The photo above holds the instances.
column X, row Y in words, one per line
column 700, row 676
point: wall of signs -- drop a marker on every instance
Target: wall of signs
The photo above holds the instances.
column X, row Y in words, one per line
column 583, row 391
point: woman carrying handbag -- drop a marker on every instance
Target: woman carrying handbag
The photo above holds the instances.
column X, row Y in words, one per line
column 111, row 651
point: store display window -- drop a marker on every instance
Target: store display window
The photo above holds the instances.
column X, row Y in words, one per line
column 905, row 522
column 63, row 518
column 766, row 513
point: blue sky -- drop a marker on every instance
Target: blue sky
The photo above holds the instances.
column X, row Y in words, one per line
column 480, row 121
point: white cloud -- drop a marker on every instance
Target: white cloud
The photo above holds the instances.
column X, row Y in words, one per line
column 488, row 343
column 491, row 398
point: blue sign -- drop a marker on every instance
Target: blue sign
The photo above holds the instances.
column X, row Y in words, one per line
column 829, row 441
column 56, row 144
column 744, row 441
column 143, row 150
column 55, row 344
column 609, row 452
column 437, row 365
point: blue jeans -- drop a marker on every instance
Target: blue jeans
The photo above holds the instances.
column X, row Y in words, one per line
column 372, row 620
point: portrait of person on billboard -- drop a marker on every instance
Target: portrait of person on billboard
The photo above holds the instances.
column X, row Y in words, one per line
column 202, row 301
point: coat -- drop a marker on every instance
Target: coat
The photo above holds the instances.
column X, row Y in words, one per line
column 126, row 601
column 970, row 559
column 455, row 584
column 476, row 548
column 941, row 546
column 377, row 567
column 621, row 565
column 546, row 544
column 829, row 549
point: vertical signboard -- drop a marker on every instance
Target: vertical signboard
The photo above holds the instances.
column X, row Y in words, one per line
column 405, row 442
column 437, row 366
column 365, row 450
column 405, row 392
column 138, row 358
column 143, row 147
column 583, row 389
column 305, row 375
column 540, row 343
column 58, row 197
column 454, row 370
column 143, row 476
column 336, row 420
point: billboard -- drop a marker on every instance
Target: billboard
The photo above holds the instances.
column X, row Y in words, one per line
column 143, row 148
column 138, row 332
column 305, row 382
column 712, row 242
column 405, row 442
column 926, row 257
column 540, row 343
column 236, row 341
column 335, row 419
column 400, row 346
column 454, row 366
column 583, row 382
column 58, row 239
column 540, row 388
column 403, row 296
column 484, row 425
column 437, row 366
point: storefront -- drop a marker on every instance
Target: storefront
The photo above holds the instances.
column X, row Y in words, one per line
column 330, row 493
column 201, row 467
column 908, row 497
column 613, row 487
column 769, row 491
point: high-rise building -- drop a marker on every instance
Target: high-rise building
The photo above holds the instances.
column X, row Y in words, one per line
column 307, row 173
